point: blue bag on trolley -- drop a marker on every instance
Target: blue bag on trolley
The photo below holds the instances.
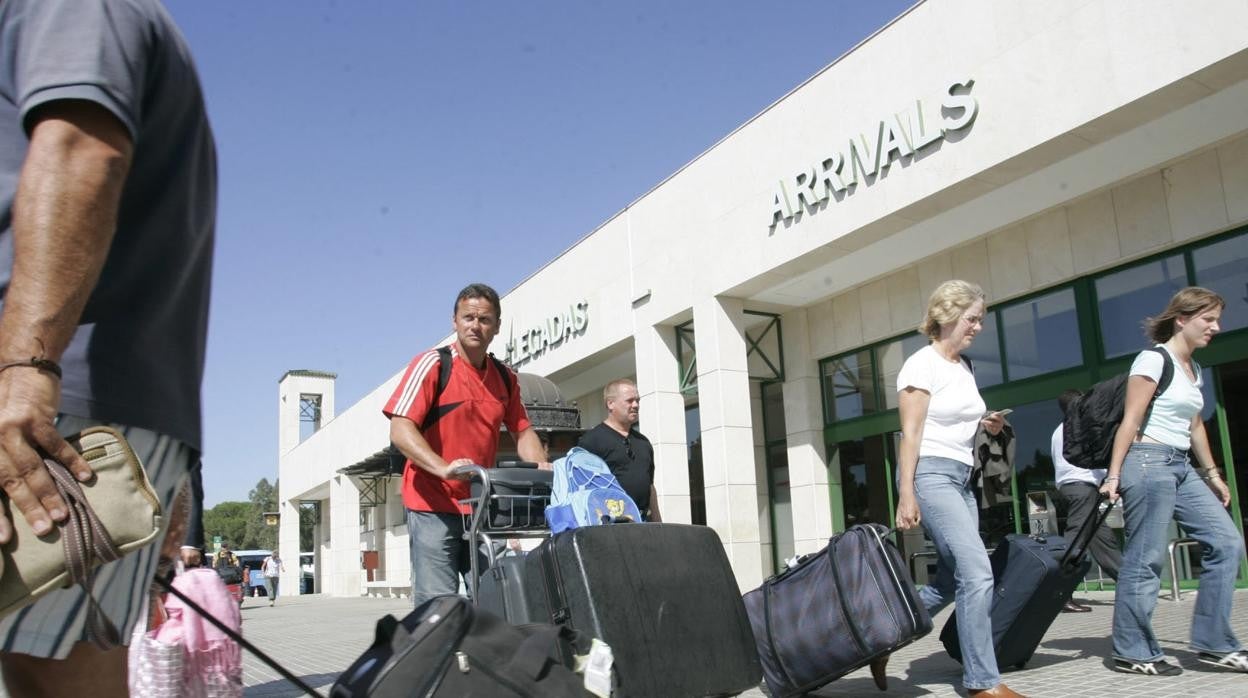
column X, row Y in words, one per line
column 585, row 493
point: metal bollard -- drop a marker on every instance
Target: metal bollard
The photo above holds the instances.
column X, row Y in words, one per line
column 1172, row 551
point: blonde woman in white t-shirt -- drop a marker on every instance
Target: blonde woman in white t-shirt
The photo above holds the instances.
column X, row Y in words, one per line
column 1151, row 469
column 941, row 410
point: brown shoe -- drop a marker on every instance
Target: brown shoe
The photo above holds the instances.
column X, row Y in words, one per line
column 998, row 691
column 879, row 672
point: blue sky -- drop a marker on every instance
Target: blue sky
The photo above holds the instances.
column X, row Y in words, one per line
column 376, row 156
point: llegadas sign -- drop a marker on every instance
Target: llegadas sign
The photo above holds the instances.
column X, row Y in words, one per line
column 866, row 157
column 536, row 340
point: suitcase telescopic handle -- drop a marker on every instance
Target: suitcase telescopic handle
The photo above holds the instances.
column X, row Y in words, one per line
column 1083, row 538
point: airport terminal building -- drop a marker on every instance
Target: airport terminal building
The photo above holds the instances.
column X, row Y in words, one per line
column 1081, row 160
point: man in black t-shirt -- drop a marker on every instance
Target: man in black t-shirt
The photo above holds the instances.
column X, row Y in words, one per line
column 629, row 454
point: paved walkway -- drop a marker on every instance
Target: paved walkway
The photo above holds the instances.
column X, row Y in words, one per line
column 317, row 637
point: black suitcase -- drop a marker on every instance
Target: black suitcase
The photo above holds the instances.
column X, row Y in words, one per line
column 835, row 611
column 501, row 590
column 518, row 496
column 446, row 647
column 1034, row 578
column 663, row 596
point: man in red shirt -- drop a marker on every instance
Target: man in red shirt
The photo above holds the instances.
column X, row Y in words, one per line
column 461, row 429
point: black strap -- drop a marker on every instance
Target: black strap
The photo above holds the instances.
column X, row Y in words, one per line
column 556, row 593
column 1167, row 375
column 535, row 651
column 1083, row 538
column 164, row 584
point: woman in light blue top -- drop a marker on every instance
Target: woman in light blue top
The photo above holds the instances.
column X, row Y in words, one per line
column 1151, row 470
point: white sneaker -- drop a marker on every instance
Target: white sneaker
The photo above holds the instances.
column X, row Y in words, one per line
column 1235, row 661
column 1158, row 668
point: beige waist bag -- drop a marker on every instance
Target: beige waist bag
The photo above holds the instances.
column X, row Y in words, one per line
column 115, row 513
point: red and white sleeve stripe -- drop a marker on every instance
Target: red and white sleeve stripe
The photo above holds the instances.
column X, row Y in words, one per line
column 404, row 396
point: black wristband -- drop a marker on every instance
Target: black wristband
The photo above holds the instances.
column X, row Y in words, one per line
column 35, row 362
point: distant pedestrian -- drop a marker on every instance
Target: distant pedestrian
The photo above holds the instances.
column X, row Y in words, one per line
column 272, row 568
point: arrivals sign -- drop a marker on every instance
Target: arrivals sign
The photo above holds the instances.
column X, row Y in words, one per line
column 535, row 340
column 866, row 156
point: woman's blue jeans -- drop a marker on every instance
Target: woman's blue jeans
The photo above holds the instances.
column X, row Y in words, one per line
column 950, row 516
column 1158, row 484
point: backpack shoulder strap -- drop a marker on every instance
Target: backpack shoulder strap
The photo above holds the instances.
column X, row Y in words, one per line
column 1167, row 371
column 970, row 365
column 446, row 362
column 504, row 372
column 1163, row 382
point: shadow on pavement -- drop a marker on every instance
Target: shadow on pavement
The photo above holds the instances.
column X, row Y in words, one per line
column 865, row 687
column 282, row 688
column 1085, row 646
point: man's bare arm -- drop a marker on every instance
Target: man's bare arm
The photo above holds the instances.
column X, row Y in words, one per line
column 411, row 443
column 64, row 218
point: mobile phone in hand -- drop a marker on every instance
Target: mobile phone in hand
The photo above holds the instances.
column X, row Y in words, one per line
column 1003, row 412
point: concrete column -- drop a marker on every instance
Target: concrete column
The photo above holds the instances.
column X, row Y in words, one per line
column 728, row 434
column 663, row 418
column 288, row 545
column 344, row 538
column 803, row 419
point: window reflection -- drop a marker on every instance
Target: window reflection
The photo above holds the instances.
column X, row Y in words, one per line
column 1042, row 335
column 864, row 479
column 1223, row 267
column 849, row 386
column 697, row 490
column 1125, row 298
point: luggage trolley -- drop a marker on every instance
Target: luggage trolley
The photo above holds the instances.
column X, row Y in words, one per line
column 506, row 503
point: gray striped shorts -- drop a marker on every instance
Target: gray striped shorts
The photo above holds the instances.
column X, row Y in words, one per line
column 50, row 626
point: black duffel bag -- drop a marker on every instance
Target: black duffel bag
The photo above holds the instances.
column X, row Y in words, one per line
column 447, row 647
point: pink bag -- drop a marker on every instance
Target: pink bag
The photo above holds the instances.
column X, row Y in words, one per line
column 211, row 663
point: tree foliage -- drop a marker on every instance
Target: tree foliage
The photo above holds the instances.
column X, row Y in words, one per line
column 241, row 524
column 228, row 520
column 263, row 498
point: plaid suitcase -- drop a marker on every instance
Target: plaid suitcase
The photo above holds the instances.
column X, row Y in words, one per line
column 835, row 611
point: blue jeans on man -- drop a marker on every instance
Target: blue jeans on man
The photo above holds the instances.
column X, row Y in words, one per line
column 439, row 554
column 949, row 515
column 1158, row 484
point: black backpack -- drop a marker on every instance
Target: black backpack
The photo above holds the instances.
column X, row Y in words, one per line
column 1092, row 419
column 448, row 647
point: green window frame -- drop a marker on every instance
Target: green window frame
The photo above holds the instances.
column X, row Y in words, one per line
column 1231, row 345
